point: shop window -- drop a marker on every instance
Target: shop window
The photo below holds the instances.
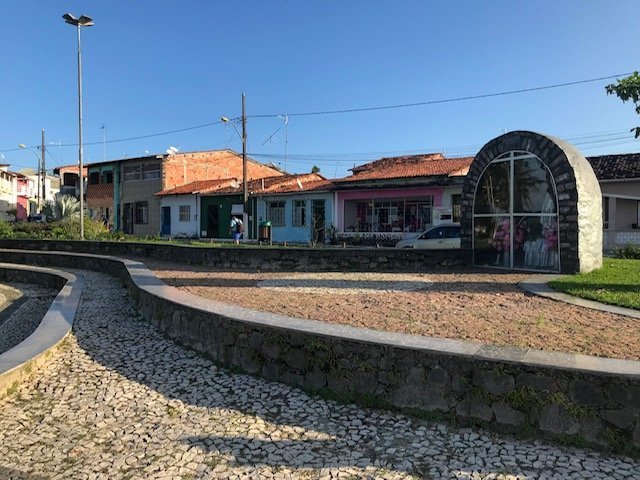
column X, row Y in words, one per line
column 394, row 215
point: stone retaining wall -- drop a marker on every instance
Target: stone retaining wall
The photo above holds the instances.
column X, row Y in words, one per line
column 18, row 362
column 265, row 258
column 574, row 398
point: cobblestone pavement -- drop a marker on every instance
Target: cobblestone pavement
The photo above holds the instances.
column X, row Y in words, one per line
column 23, row 321
column 120, row 401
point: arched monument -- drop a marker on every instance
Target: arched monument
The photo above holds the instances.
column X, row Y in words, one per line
column 532, row 202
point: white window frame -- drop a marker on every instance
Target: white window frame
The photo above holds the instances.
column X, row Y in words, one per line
column 299, row 213
column 184, row 213
column 276, row 213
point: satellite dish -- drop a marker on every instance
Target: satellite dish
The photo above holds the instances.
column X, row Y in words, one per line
column 234, row 183
column 299, row 183
column 173, row 150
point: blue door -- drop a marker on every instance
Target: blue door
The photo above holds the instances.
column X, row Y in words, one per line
column 165, row 228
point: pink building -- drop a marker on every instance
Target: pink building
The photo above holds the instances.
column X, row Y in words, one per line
column 386, row 200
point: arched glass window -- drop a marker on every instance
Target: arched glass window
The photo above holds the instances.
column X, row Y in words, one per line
column 515, row 215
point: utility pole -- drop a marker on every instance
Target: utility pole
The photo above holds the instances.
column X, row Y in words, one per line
column 245, row 193
column 43, row 170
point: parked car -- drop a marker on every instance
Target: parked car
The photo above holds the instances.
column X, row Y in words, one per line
column 37, row 218
column 436, row 238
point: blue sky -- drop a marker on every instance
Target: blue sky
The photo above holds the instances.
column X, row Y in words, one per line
column 152, row 67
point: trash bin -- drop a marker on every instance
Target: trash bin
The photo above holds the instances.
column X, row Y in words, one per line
column 264, row 232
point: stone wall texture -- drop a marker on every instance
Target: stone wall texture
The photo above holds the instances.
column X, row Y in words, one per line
column 585, row 400
column 266, row 258
column 579, row 196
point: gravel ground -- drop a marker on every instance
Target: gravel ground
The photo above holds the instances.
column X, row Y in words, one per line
column 24, row 320
column 121, row 401
column 481, row 306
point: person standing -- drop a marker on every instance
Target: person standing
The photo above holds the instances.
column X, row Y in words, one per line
column 237, row 229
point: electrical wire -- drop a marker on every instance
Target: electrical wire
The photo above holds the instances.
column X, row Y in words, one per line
column 447, row 100
column 350, row 110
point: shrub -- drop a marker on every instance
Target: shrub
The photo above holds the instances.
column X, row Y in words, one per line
column 31, row 230
column 70, row 229
column 629, row 251
column 6, row 229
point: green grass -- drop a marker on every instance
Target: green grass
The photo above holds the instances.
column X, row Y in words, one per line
column 616, row 283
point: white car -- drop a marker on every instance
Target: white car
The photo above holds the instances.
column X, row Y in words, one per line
column 437, row 238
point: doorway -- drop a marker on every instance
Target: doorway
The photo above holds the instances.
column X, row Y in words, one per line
column 165, row 227
column 317, row 221
column 127, row 218
column 213, row 221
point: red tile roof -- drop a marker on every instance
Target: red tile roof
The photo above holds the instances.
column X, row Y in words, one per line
column 410, row 166
column 197, row 186
column 616, row 167
column 261, row 186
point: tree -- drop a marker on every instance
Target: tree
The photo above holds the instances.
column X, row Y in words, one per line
column 315, row 169
column 628, row 89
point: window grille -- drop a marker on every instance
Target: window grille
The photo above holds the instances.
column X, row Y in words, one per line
column 299, row 213
column 141, row 213
column 185, row 213
column 275, row 213
column 131, row 173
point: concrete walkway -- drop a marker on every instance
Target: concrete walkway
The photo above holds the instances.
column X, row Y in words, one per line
column 120, row 401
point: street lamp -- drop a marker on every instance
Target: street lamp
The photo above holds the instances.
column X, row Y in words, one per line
column 243, row 137
column 83, row 21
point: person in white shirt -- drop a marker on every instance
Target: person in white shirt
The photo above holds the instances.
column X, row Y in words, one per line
column 236, row 228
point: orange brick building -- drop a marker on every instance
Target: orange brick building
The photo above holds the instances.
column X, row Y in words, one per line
column 122, row 191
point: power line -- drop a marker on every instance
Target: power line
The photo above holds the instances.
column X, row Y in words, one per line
column 350, row 110
column 447, row 100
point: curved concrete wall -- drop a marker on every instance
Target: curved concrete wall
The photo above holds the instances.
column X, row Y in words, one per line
column 18, row 362
column 590, row 399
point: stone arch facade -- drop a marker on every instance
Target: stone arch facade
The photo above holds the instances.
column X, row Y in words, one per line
column 579, row 200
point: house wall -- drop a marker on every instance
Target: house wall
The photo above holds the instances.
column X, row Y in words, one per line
column 623, row 212
column 396, row 193
column 222, row 205
column 188, row 167
column 100, row 197
column 176, row 170
column 190, row 228
column 631, row 188
column 22, row 207
column 289, row 233
column 8, row 194
column 142, row 191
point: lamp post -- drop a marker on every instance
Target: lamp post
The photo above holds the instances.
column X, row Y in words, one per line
column 243, row 137
column 83, row 21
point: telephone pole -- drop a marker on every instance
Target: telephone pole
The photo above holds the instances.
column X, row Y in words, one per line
column 245, row 193
column 42, row 171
